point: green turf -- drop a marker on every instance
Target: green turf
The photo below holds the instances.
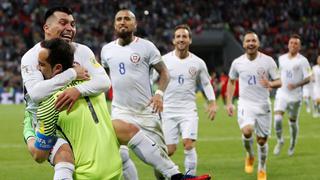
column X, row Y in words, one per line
column 219, row 148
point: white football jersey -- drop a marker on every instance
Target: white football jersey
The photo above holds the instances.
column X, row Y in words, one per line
column 316, row 75
column 292, row 71
column 249, row 73
column 184, row 76
column 36, row 88
column 130, row 72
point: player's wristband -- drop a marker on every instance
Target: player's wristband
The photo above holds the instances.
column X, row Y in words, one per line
column 44, row 142
column 159, row 92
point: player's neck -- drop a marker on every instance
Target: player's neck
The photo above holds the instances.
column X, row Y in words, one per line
column 125, row 41
column 182, row 54
column 292, row 55
column 252, row 57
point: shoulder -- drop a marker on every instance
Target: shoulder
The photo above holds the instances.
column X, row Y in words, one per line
column 303, row 58
column 167, row 56
column 145, row 42
column 267, row 58
column 238, row 59
column 81, row 47
column 31, row 54
column 108, row 45
column 283, row 56
column 197, row 59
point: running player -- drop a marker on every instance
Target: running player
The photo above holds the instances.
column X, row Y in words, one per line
column 295, row 73
column 254, row 69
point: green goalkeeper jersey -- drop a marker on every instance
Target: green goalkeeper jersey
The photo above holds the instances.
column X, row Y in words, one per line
column 89, row 131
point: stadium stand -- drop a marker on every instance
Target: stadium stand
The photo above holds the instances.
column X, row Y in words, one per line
column 273, row 20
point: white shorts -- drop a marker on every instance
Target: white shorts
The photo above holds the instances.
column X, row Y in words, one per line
column 283, row 105
column 316, row 92
column 148, row 122
column 307, row 90
column 260, row 117
column 175, row 125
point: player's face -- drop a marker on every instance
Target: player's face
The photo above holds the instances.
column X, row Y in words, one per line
column 294, row 45
column 125, row 24
column 44, row 67
column 251, row 43
column 181, row 39
column 60, row 25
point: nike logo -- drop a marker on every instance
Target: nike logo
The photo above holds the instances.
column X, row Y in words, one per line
column 153, row 144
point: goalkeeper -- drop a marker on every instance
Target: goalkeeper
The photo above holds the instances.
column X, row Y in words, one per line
column 87, row 127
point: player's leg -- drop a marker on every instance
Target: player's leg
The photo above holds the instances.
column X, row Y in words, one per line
column 293, row 113
column 247, row 140
column 189, row 132
column 280, row 106
column 63, row 160
column 145, row 148
column 129, row 169
column 263, row 130
column 170, row 127
column 246, row 124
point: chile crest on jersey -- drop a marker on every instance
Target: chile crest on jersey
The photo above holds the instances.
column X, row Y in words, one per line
column 193, row 71
column 135, row 58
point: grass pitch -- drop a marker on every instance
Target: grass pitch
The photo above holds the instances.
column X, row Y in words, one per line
column 219, row 149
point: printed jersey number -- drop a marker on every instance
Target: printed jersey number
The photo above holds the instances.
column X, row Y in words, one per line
column 252, row 80
column 122, row 68
column 289, row 74
column 180, row 79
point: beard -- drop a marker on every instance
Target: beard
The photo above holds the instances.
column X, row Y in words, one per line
column 123, row 34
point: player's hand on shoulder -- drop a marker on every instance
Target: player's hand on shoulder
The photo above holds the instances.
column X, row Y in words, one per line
column 67, row 99
column 82, row 73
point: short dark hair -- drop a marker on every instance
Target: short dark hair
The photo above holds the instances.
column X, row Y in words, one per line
column 184, row 26
column 52, row 10
column 60, row 52
column 295, row 36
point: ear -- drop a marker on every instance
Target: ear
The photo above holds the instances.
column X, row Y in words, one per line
column 57, row 69
column 45, row 27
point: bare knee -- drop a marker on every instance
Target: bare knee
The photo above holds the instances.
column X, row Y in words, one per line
column 261, row 141
column 124, row 131
column 188, row 144
column 171, row 149
column 247, row 131
column 64, row 154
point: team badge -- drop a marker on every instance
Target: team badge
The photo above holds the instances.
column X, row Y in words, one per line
column 261, row 72
column 192, row 71
column 135, row 58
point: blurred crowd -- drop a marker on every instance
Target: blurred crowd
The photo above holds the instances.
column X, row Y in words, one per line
column 274, row 20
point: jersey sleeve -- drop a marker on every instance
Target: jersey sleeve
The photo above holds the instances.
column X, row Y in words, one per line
column 34, row 83
column 47, row 117
column 205, row 82
column 154, row 54
column 99, row 80
column 233, row 73
column 274, row 72
column 104, row 57
column 306, row 69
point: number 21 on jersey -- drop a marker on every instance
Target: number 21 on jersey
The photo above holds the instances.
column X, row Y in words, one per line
column 252, row 80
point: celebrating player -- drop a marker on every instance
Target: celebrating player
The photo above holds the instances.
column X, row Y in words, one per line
column 254, row 69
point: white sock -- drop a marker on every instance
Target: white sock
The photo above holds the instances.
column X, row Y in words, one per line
column 128, row 167
column 63, row 171
column 248, row 143
column 293, row 132
column 149, row 152
column 262, row 156
column 278, row 126
column 190, row 161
